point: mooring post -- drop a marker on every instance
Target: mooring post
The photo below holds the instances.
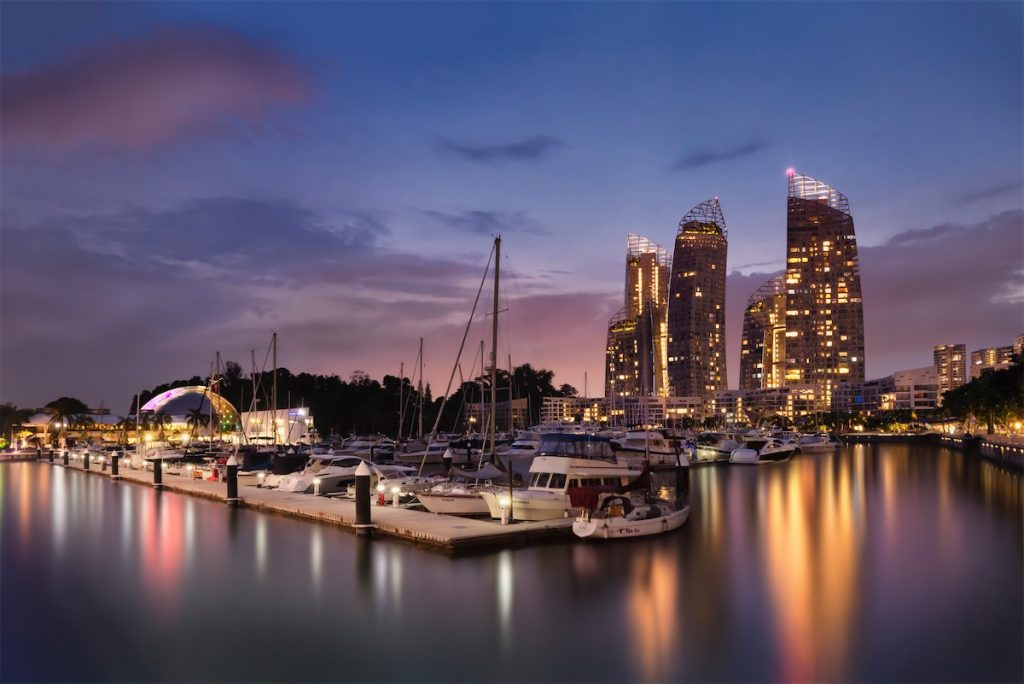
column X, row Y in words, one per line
column 158, row 473
column 363, row 524
column 114, row 457
column 67, row 458
column 51, row 455
column 85, row 460
column 232, row 479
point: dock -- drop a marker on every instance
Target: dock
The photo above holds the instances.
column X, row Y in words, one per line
column 446, row 533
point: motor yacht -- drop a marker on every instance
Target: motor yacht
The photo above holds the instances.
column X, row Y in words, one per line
column 569, row 470
column 816, row 443
column 638, row 446
column 334, row 471
column 716, row 446
column 763, row 450
column 463, row 495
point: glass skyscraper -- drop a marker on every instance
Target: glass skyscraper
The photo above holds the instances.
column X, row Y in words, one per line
column 696, row 305
column 824, row 312
column 763, row 349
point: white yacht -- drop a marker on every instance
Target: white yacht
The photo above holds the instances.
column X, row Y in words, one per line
column 618, row 516
column 463, row 495
column 335, row 472
column 431, row 453
column 763, row 450
column 638, row 446
column 569, row 470
column 716, row 446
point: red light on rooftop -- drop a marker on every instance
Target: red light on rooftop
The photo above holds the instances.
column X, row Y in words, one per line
column 791, row 172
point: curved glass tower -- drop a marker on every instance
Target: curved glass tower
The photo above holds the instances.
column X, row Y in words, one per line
column 696, row 305
column 824, row 311
column 763, row 350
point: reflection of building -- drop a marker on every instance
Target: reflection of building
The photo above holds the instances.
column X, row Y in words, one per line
column 637, row 334
column 950, row 366
column 696, row 308
column 763, row 350
column 293, row 425
column 824, row 312
column 992, row 358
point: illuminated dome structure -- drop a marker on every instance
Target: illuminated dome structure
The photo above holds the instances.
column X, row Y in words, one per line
column 180, row 402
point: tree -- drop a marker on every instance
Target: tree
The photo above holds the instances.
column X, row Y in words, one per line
column 567, row 390
column 195, row 418
column 158, row 421
column 12, row 418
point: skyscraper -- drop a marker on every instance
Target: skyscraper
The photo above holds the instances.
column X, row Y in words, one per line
column 635, row 353
column 696, row 307
column 763, row 350
column 824, row 312
column 950, row 366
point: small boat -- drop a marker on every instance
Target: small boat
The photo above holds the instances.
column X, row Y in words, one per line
column 334, row 472
column 618, row 516
column 763, row 450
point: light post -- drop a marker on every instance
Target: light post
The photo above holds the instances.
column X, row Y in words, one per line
column 316, row 486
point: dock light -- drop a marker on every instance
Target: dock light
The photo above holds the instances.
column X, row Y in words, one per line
column 504, row 502
column 261, row 477
column 316, row 486
column 395, row 491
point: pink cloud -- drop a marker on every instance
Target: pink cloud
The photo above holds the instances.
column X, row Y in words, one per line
column 134, row 94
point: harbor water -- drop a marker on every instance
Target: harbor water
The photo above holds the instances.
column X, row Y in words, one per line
column 877, row 562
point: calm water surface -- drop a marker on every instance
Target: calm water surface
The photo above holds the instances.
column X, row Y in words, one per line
column 884, row 562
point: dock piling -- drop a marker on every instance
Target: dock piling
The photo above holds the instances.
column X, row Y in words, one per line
column 363, row 524
column 85, row 460
column 67, row 458
column 114, row 457
column 158, row 473
column 232, row 480
column 51, row 455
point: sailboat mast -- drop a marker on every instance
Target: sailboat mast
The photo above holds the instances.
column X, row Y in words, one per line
column 273, row 388
column 421, row 389
column 494, row 350
column 401, row 403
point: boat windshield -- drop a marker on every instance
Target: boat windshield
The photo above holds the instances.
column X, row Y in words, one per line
column 576, row 446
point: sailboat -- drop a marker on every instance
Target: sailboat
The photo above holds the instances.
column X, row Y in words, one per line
column 463, row 495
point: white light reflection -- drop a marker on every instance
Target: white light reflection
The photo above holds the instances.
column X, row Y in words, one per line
column 126, row 522
column 59, row 502
column 261, row 547
column 190, row 534
column 506, row 593
column 316, row 559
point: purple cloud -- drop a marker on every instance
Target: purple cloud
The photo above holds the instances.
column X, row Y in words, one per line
column 138, row 93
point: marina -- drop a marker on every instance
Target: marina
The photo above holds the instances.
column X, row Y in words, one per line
column 168, row 586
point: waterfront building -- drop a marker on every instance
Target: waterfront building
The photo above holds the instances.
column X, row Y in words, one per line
column 793, row 402
column 1018, row 344
column 727, row 406
column 950, row 367
column 861, row 397
column 291, row 425
column 915, row 389
column 696, row 308
column 991, row 358
column 509, row 416
column 635, row 354
column 573, row 410
column 824, row 311
column 763, row 349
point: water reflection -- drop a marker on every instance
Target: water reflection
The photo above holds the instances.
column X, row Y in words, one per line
column 845, row 566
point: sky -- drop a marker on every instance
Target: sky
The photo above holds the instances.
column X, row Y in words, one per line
column 178, row 179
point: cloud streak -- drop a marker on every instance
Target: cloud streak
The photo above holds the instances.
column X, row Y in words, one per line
column 139, row 93
column 482, row 222
column 530, row 149
column 703, row 156
column 989, row 192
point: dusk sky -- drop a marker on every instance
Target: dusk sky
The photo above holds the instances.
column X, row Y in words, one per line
column 184, row 178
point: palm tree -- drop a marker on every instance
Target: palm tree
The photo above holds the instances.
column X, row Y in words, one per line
column 158, row 421
column 12, row 418
column 194, row 418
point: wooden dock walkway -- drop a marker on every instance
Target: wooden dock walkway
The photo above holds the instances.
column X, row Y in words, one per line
column 447, row 533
